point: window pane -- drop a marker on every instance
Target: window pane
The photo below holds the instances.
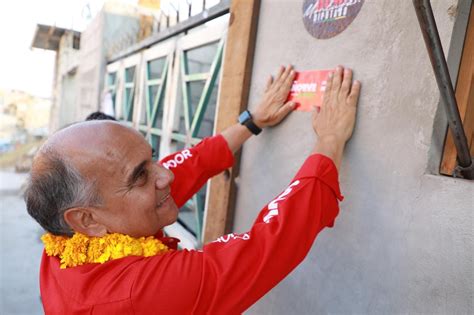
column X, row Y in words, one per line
column 129, row 74
column 155, row 68
column 195, row 91
column 152, row 90
column 182, row 126
column 179, row 146
column 187, row 219
column 200, row 59
column 129, row 103
column 155, row 144
column 114, row 94
column 207, row 123
column 111, row 78
column 178, row 125
column 158, row 123
column 187, row 214
column 128, row 95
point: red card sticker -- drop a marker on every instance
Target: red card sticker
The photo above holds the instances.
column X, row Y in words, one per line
column 308, row 89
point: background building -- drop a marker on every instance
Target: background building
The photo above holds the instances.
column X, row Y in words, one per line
column 22, row 115
column 81, row 58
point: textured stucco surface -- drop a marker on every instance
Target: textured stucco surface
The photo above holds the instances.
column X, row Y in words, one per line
column 112, row 27
column 403, row 242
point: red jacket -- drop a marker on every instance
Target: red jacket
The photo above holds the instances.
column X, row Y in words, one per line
column 228, row 275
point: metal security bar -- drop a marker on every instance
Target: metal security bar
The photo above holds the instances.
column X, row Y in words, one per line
column 429, row 30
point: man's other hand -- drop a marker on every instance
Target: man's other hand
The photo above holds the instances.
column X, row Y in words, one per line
column 336, row 117
column 334, row 121
column 272, row 109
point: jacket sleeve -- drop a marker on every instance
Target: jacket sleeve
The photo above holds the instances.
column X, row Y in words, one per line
column 233, row 272
column 193, row 167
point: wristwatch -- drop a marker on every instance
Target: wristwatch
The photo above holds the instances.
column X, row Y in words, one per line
column 246, row 119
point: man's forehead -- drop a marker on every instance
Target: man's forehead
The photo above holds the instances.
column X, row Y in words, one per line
column 91, row 144
column 99, row 130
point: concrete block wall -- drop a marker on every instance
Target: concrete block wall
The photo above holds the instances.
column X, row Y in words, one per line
column 90, row 67
column 114, row 24
column 403, row 241
column 63, row 111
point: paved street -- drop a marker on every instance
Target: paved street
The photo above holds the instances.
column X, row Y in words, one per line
column 20, row 250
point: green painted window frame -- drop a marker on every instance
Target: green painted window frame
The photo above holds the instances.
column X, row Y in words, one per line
column 127, row 103
column 179, row 91
column 193, row 124
column 153, row 133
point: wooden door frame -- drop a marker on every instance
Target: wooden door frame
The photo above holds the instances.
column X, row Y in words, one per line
column 464, row 98
column 233, row 98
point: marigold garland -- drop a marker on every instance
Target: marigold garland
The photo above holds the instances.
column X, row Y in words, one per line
column 81, row 249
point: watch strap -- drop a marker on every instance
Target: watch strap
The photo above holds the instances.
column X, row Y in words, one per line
column 246, row 119
column 252, row 127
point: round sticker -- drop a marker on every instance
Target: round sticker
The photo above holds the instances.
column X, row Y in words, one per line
column 327, row 18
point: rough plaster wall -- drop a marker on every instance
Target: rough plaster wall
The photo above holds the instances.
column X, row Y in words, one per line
column 403, row 242
column 67, row 98
column 90, row 64
column 108, row 29
column 54, row 115
column 64, row 107
column 68, row 108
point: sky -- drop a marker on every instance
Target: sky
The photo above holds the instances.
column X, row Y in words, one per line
column 31, row 70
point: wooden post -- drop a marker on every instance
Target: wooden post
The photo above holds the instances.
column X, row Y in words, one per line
column 465, row 100
column 234, row 91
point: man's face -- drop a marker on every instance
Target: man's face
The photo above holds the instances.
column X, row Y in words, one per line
column 135, row 189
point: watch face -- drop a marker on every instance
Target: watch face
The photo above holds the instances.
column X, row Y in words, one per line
column 244, row 117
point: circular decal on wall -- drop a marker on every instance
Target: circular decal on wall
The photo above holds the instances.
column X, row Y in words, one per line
column 327, row 18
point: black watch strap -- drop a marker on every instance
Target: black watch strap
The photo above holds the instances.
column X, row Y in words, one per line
column 253, row 127
column 246, row 119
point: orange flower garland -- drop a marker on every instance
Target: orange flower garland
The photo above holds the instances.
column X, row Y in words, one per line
column 82, row 249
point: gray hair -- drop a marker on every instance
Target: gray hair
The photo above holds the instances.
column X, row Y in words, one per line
column 56, row 188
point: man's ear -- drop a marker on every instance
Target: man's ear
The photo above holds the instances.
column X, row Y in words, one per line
column 82, row 220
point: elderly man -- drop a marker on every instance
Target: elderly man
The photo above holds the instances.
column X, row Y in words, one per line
column 96, row 190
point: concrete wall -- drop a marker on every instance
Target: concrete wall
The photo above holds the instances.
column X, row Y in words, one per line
column 115, row 26
column 68, row 108
column 403, row 242
column 90, row 71
column 80, row 74
column 63, row 111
